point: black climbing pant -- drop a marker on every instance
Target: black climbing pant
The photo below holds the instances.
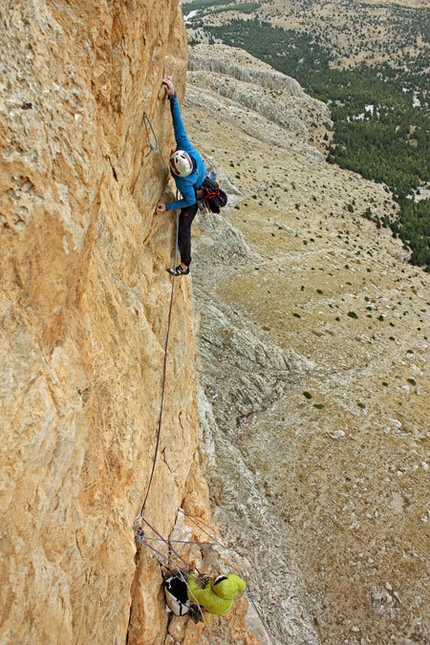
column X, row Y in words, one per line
column 186, row 217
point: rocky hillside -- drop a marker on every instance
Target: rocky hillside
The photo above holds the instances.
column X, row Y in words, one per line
column 352, row 32
column 85, row 136
column 314, row 348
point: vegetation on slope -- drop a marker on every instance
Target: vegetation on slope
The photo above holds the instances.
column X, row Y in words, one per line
column 380, row 111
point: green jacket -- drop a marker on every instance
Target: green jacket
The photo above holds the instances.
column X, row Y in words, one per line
column 216, row 599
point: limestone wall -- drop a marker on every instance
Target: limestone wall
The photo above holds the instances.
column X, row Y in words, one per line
column 84, row 298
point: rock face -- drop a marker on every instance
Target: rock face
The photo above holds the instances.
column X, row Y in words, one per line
column 257, row 87
column 84, row 298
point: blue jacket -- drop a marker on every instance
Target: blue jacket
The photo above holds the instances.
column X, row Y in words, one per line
column 185, row 185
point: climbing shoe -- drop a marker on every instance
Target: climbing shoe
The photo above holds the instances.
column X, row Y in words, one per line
column 179, row 271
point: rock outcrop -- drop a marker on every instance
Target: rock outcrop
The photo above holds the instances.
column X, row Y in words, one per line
column 255, row 86
column 84, row 300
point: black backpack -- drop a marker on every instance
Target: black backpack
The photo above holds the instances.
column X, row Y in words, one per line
column 213, row 196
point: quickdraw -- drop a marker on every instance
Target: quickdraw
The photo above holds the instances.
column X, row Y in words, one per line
column 153, row 147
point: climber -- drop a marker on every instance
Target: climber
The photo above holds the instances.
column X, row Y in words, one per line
column 218, row 594
column 188, row 171
column 216, row 597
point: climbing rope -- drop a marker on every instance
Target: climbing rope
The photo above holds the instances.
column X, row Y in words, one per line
column 153, row 147
column 195, row 521
column 168, row 544
column 139, row 533
column 141, row 538
column 259, row 614
column 170, row 541
column 163, row 379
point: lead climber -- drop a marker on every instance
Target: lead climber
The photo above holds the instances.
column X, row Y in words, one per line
column 188, row 170
column 216, row 597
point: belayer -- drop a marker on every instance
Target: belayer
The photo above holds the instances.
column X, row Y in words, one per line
column 216, row 597
column 218, row 594
column 188, row 171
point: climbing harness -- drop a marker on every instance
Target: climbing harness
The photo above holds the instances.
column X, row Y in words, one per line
column 153, row 147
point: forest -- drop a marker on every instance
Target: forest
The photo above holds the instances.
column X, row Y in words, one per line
column 380, row 111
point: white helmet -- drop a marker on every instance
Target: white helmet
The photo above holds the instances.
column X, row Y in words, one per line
column 181, row 163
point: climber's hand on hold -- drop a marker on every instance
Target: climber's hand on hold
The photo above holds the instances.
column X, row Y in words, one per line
column 168, row 85
column 161, row 208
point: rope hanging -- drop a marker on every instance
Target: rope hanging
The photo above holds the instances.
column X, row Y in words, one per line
column 200, row 544
column 163, row 380
column 153, row 147
column 141, row 538
column 195, row 521
column 259, row 614
column 167, row 542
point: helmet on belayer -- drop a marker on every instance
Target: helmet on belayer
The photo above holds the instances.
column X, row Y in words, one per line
column 181, row 163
